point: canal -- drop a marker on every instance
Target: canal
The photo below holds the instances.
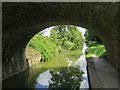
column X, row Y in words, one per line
column 74, row 75
column 60, row 72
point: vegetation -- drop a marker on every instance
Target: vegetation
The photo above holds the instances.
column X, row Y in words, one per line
column 92, row 39
column 62, row 37
column 100, row 51
column 67, row 37
column 95, row 45
column 65, row 42
column 44, row 46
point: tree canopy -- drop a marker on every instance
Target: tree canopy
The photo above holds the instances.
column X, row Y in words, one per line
column 92, row 39
column 67, row 36
column 62, row 37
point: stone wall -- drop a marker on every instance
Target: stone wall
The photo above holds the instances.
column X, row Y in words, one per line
column 32, row 56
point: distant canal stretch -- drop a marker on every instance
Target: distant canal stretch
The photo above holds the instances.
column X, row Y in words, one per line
column 73, row 76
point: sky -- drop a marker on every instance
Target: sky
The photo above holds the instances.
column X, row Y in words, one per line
column 46, row 32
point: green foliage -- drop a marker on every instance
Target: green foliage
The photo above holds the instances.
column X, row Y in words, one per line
column 101, row 51
column 92, row 39
column 69, row 45
column 95, row 45
column 44, row 46
column 67, row 36
column 66, row 77
column 68, row 42
column 61, row 37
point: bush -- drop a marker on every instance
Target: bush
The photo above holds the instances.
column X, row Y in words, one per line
column 69, row 45
column 44, row 46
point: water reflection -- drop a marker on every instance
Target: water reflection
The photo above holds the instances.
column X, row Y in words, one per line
column 43, row 80
column 72, row 77
column 83, row 64
column 65, row 77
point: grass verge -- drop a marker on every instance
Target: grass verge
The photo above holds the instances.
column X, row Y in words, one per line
column 100, row 51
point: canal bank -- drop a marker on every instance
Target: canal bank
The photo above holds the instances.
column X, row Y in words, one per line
column 102, row 74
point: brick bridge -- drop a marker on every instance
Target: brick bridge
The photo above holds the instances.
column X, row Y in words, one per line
column 21, row 21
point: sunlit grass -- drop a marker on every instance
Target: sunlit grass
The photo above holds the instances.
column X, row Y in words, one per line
column 100, row 52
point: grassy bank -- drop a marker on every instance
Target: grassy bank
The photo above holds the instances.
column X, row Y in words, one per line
column 44, row 46
column 97, row 49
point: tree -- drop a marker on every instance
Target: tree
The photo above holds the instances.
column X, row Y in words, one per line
column 67, row 36
column 43, row 45
column 91, row 38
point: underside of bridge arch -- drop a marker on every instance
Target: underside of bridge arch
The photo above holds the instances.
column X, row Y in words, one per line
column 23, row 20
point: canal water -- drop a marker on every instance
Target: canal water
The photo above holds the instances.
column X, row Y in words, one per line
column 73, row 76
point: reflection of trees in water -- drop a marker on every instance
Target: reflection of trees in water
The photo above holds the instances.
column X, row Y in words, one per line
column 66, row 77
